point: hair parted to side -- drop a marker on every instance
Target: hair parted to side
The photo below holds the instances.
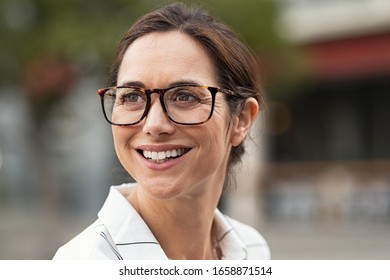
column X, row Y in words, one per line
column 235, row 64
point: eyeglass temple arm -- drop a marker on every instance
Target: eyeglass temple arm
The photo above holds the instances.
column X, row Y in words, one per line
column 237, row 93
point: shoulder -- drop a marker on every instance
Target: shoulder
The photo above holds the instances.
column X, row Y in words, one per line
column 84, row 245
column 95, row 241
column 255, row 243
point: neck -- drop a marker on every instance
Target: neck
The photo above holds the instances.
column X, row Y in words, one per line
column 183, row 227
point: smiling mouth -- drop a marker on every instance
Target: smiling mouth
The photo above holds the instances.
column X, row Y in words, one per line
column 163, row 156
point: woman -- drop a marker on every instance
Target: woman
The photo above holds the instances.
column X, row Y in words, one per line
column 182, row 97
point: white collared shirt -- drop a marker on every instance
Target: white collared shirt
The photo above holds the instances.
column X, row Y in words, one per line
column 121, row 233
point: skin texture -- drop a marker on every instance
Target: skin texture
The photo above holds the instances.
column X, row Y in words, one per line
column 177, row 198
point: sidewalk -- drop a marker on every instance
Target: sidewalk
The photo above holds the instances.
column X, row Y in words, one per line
column 325, row 242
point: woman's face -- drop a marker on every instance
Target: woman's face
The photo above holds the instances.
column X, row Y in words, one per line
column 159, row 60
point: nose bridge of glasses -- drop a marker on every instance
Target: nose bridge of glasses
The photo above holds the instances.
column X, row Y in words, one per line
column 158, row 91
column 160, row 95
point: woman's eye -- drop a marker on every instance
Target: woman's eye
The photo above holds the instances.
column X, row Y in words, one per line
column 185, row 96
column 132, row 98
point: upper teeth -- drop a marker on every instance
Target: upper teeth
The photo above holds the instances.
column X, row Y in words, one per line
column 163, row 154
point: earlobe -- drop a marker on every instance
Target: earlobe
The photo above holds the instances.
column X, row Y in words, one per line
column 243, row 122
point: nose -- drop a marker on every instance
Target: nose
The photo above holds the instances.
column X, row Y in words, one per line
column 157, row 122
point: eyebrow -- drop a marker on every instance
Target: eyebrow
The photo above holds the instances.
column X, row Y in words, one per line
column 184, row 82
column 173, row 84
column 132, row 84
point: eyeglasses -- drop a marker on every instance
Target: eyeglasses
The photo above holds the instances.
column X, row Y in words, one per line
column 184, row 104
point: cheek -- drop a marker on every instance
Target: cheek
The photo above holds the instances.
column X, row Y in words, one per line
column 121, row 137
column 222, row 112
column 117, row 136
column 218, row 134
column 222, row 121
column 215, row 150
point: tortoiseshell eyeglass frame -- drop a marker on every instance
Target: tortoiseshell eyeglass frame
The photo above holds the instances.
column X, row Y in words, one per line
column 161, row 93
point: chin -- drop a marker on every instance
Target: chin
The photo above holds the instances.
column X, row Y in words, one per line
column 161, row 191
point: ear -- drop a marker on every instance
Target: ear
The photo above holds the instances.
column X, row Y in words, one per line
column 243, row 122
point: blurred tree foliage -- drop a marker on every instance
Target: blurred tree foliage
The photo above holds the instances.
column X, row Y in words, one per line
column 87, row 32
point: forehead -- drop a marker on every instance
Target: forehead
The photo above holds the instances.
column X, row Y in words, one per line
column 157, row 59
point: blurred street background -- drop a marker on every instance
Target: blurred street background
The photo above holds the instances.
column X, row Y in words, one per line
column 316, row 179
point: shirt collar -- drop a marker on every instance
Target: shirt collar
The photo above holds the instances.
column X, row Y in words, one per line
column 231, row 245
column 127, row 228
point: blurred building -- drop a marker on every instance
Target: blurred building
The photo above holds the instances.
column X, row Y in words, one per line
column 329, row 132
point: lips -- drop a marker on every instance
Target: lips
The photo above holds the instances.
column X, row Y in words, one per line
column 160, row 155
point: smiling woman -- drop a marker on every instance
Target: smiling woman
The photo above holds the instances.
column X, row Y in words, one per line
column 182, row 97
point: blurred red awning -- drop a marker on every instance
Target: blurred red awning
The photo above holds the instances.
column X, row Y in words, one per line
column 352, row 57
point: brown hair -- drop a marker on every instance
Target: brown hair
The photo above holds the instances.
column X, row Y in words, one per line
column 235, row 65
